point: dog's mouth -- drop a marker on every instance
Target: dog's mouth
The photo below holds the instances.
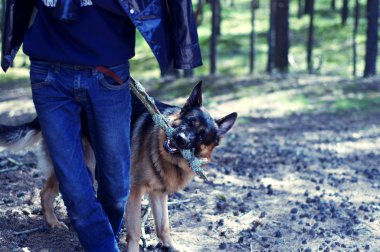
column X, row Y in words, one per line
column 170, row 146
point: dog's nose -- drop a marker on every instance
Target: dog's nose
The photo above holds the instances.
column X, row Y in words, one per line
column 182, row 141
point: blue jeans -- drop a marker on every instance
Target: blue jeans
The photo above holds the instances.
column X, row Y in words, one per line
column 61, row 94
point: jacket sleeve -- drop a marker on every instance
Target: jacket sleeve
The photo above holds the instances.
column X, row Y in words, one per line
column 17, row 17
column 187, row 53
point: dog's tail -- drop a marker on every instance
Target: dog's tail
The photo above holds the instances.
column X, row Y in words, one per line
column 20, row 137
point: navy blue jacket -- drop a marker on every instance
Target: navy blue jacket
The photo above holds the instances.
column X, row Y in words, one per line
column 168, row 26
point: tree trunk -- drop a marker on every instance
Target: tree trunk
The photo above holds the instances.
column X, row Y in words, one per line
column 310, row 39
column 199, row 12
column 372, row 37
column 333, row 5
column 2, row 14
column 252, row 38
column 271, row 35
column 219, row 18
column 281, row 51
column 257, row 4
column 214, row 35
column 188, row 73
column 308, row 4
column 300, row 9
column 344, row 12
column 171, row 73
column 355, row 32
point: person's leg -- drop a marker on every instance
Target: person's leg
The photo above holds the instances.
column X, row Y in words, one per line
column 58, row 110
column 108, row 116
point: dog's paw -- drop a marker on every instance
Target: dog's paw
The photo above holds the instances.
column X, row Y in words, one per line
column 133, row 246
column 172, row 248
column 58, row 225
column 178, row 248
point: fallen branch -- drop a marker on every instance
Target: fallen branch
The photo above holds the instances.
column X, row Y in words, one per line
column 145, row 215
column 144, row 218
column 364, row 226
column 40, row 228
column 14, row 168
column 14, row 161
column 174, row 202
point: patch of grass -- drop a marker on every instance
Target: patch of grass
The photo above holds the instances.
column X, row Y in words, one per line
column 294, row 103
column 222, row 197
column 15, row 76
column 336, row 96
column 363, row 104
column 244, row 120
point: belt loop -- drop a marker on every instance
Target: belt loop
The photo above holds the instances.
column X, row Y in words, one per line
column 57, row 67
column 94, row 71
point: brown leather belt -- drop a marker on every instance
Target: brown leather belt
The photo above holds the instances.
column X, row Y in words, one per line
column 110, row 73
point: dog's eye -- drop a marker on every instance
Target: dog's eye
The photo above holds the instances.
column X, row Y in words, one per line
column 191, row 122
column 202, row 134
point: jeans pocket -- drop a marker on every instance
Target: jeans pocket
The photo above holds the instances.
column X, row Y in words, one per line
column 121, row 71
column 39, row 74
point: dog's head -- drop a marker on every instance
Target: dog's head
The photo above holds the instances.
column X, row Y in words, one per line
column 195, row 129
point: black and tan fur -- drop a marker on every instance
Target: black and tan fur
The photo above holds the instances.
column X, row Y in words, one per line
column 157, row 167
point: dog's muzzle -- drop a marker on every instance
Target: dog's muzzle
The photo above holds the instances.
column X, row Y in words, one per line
column 180, row 140
column 170, row 147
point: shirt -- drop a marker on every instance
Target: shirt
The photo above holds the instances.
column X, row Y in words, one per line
column 103, row 35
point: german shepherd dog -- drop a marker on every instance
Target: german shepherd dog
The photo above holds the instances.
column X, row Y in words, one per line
column 157, row 167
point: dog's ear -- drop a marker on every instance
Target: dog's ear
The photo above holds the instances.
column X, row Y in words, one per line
column 195, row 98
column 226, row 123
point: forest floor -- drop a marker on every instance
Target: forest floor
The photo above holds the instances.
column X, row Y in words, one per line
column 300, row 170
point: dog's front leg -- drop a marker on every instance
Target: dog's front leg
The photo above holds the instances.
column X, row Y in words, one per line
column 133, row 218
column 48, row 195
column 159, row 204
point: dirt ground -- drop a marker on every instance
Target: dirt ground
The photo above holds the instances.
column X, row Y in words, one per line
column 293, row 175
